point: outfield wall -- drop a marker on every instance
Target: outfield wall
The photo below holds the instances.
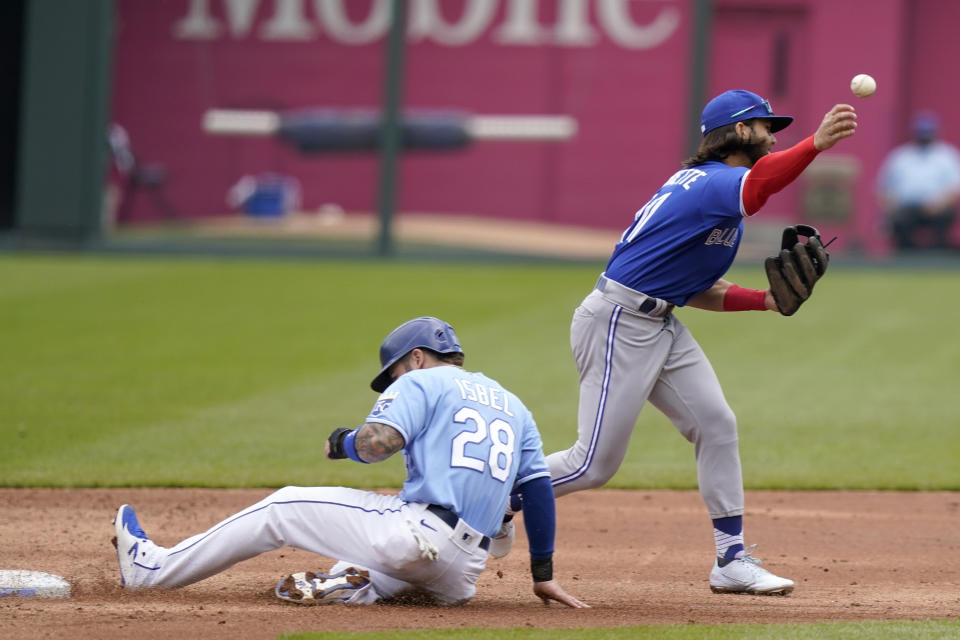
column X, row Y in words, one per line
column 621, row 67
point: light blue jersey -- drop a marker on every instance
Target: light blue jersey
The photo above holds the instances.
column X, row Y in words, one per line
column 468, row 442
column 915, row 175
column 686, row 237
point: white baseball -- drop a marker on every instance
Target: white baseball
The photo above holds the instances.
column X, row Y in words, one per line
column 863, row 85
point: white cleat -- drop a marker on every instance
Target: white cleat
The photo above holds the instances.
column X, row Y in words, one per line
column 134, row 548
column 744, row 575
column 319, row 588
column 501, row 543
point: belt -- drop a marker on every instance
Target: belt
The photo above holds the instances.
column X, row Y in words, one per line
column 648, row 305
column 451, row 519
column 631, row 299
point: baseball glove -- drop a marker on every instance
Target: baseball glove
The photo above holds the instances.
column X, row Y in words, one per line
column 797, row 268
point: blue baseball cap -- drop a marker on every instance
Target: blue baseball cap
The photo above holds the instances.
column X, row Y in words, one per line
column 736, row 106
column 926, row 124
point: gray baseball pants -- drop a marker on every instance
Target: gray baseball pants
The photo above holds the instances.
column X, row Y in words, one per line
column 625, row 357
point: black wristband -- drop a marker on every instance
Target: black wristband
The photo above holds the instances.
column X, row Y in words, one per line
column 542, row 569
column 336, row 443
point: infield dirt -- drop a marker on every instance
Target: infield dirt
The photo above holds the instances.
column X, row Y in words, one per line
column 638, row 557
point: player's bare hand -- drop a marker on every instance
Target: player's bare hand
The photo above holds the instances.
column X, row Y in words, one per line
column 551, row 590
column 839, row 123
column 769, row 302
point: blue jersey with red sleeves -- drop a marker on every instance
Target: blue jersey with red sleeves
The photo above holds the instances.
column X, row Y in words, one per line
column 686, row 237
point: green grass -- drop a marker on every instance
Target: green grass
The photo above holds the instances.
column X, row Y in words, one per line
column 118, row 371
column 928, row 630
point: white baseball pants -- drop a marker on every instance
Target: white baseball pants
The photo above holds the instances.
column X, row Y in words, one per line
column 380, row 533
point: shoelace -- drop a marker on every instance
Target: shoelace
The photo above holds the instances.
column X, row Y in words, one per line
column 748, row 557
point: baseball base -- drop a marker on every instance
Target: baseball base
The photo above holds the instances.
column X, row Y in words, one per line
column 20, row 583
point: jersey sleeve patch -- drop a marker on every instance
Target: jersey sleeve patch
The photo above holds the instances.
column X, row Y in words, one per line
column 384, row 402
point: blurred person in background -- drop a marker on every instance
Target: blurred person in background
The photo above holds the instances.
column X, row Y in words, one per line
column 122, row 164
column 918, row 186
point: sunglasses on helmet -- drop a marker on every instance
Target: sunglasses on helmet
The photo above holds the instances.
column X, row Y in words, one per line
column 765, row 104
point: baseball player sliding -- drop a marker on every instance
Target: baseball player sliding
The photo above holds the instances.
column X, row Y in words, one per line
column 467, row 442
column 630, row 348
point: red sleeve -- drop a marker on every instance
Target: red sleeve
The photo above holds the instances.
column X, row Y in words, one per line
column 774, row 171
column 737, row 298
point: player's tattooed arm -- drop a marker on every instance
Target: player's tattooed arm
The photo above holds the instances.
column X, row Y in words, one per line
column 376, row 442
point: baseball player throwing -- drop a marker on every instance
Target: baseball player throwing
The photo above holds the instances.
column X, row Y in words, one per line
column 467, row 442
column 630, row 348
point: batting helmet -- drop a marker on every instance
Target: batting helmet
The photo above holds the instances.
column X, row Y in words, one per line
column 420, row 333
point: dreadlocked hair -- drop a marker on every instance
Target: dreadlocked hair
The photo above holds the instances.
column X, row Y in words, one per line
column 718, row 145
